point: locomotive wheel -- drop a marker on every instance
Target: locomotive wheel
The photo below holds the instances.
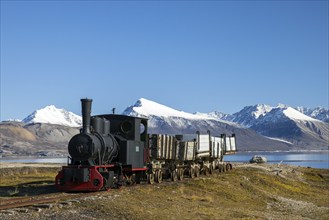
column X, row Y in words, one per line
column 96, row 182
column 158, row 176
column 105, row 186
column 133, row 179
column 150, row 178
column 138, row 178
column 191, row 172
column 197, row 172
column 174, row 176
column 180, row 174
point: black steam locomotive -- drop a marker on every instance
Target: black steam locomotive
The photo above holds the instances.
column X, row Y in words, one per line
column 114, row 150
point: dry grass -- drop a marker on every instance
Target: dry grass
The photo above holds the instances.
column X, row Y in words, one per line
column 23, row 181
column 248, row 192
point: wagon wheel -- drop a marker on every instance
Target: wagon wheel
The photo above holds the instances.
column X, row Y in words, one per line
column 228, row 167
column 220, row 168
column 197, row 172
column 206, row 171
column 191, row 172
column 211, row 169
column 150, row 178
column 174, row 176
column 180, row 174
column 224, row 168
column 158, row 176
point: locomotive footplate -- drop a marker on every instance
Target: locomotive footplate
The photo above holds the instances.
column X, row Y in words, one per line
column 86, row 178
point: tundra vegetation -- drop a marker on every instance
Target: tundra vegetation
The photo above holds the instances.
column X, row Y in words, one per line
column 249, row 191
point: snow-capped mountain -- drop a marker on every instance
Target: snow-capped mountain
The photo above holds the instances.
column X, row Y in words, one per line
column 281, row 122
column 157, row 112
column 251, row 115
column 258, row 127
column 284, row 122
column 163, row 119
column 283, row 113
column 52, row 115
column 291, row 125
column 145, row 108
column 319, row 113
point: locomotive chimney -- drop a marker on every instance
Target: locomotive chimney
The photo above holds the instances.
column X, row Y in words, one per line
column 86, row 110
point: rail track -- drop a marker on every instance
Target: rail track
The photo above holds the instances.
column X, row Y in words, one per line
column 18, row 202
column 11, row 203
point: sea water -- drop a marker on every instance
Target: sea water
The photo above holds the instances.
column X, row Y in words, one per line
column 315, row 159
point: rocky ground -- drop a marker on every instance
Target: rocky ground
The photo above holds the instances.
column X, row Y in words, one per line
column 249, row 191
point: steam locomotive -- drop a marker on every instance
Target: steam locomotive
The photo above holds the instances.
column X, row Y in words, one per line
column 114, row 150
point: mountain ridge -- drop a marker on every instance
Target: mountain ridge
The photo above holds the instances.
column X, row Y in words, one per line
column 258, row 127
column 273, row 122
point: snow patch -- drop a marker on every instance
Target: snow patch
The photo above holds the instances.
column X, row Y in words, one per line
column 296, row 115
column 278, row 139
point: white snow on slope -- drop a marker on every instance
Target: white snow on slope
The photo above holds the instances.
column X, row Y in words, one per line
column 261, row 110
column 296, row 115
column 278, row 139
column 147, row 108
column 52, row 115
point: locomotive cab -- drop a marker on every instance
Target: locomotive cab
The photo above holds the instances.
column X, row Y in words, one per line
column 131, row 134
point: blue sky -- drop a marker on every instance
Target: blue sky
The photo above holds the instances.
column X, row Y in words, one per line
column 189, row 55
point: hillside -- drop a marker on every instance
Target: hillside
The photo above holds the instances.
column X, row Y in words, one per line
column 37, row 139
column 247, row 192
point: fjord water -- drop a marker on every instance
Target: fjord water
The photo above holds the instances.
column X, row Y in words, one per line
column 314, row 159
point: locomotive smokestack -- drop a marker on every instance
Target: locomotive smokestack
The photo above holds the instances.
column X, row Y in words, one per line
column 86, row 110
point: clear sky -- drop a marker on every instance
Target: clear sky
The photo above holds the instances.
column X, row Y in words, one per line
column 189, row 55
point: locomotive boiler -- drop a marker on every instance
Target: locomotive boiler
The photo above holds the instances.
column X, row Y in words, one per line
column 93, row 147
